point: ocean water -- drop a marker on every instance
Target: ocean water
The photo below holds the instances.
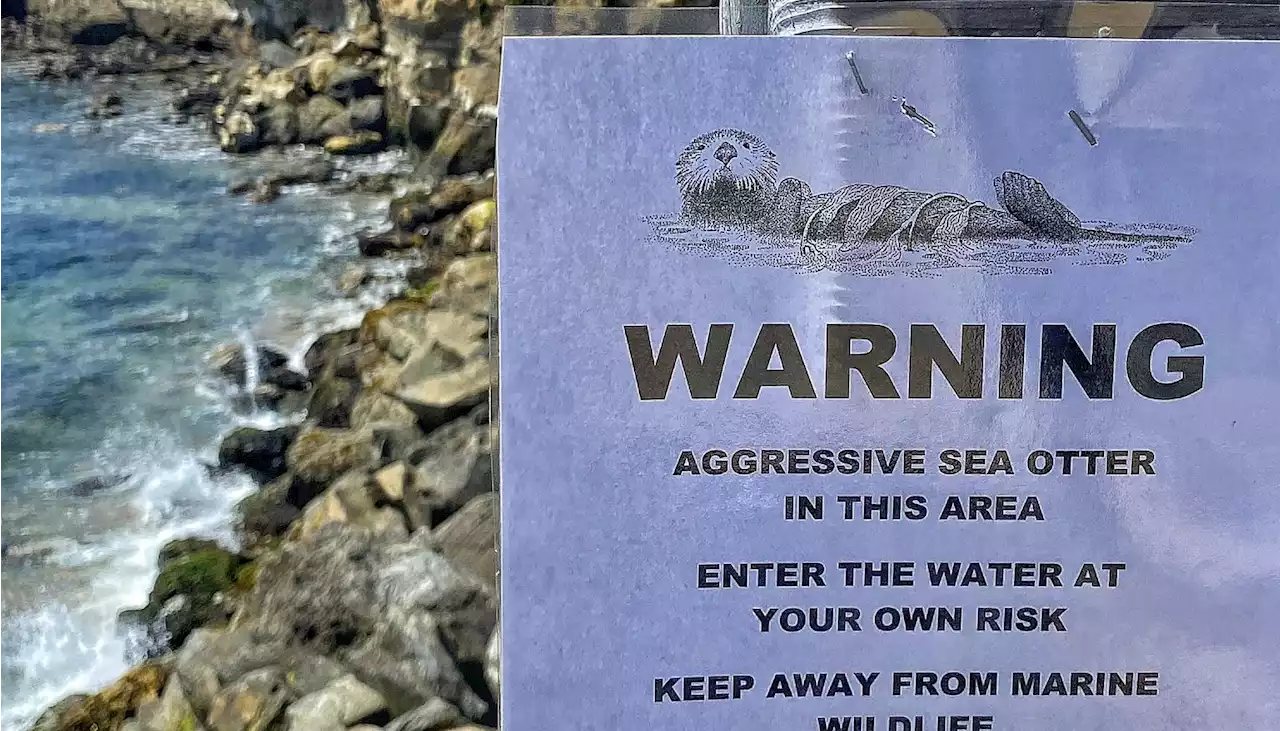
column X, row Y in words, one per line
column 124, row 264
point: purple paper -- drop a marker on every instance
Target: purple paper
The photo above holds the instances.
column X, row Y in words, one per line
column 656, row 181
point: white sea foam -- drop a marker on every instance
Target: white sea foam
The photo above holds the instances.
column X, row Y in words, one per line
column 71, row 643
column 61, row 634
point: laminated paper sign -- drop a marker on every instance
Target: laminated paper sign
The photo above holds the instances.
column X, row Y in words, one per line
column 939, row 396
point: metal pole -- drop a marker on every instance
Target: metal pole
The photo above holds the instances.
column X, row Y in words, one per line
column 744, row 18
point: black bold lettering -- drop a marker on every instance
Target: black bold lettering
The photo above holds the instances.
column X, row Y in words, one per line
column 1095, row 375
column 927, row 348
column 653, row 374
column 1190, row 368
column 793, row 375
column 841, row 362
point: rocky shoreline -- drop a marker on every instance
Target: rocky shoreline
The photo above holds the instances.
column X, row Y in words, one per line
column 363, row 590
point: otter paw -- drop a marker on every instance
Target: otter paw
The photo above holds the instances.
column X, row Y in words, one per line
column 813, row 255
column 1027, row 200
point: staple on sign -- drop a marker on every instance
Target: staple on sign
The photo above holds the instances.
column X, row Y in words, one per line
column 913, row 113
column 1084, row 129
column 857, row 76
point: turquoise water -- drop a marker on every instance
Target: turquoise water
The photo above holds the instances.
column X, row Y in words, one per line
column 124, row 264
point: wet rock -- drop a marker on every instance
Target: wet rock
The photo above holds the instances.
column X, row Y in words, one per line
column 283, row 402
column 363, row 142
column 251, row 703
column 278, row 125
column 239, row 134
column 333, row 355
column 345, row 702
column 266, row 513
column 394, row 612
column 184, row 596
column 353, row 275
column 371, row 183
column 49, row 720
column 240, row 186
column 452, row 467
column 468, row 538
column 37, row 552
column 320, row 119
column 105, row 106
column 296, row 173
column 352, row 82
column 260, row 453
column 108, row 710
column 423, row 275
column 262, row 192
column 182, row 547
column 286, row 379
column 196, row 100
column 229, row 360
column 385, row 242
column 452, row 195
column 94, row 484
column 319, row 456
column 331, row 402
column 430, row 716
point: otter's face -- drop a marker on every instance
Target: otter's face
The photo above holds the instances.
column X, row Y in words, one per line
column 726, row 159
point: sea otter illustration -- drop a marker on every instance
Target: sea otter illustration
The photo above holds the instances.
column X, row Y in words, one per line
column 728, row 181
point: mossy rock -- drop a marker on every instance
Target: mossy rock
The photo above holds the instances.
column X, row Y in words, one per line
column 197, row 575
column 423, row 293
column 108, row 710
column 247, row 577
column 176, row 549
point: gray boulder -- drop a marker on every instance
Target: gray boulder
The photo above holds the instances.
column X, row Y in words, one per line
column 430, row 716
column 469, row 538
column 251, row 703
column 395, row 612
column 321, row 118
column 344, row 702
column 452, row 466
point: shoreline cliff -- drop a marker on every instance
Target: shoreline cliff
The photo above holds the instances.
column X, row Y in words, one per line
column 362, row 589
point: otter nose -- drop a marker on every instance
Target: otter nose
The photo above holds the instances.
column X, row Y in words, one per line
column 726, row 152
